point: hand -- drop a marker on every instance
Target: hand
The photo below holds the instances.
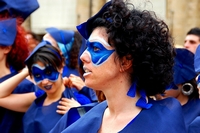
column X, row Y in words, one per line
column 66, row 82
column 76, row 82
column 65, row 104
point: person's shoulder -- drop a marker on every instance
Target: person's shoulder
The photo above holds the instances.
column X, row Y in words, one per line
column 170, row 103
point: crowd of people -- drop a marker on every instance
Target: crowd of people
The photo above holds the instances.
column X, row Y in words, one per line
column 119, row 72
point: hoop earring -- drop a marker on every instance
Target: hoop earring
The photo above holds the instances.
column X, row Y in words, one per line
column 187, row 89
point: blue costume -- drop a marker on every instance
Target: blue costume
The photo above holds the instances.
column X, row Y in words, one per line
column 41, row 119
column 191, row 110
column 165, row 113
column 11, row 121
column 194, row 126
column 71, row 116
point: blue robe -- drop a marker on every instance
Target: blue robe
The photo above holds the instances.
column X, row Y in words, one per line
column 71, row 116
column 191, row 111
column 165, row 116
column 11, row 121
column 41, row 119
column 194, row 126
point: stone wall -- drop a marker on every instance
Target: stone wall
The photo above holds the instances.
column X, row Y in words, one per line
column 182, row 15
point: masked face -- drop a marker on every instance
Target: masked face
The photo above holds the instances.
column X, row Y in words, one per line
column 46, row 72
column 97, row 51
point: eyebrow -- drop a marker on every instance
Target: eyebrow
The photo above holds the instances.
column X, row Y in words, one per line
column 99, row 39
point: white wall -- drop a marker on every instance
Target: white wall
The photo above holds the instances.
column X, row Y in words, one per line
column 54, row 13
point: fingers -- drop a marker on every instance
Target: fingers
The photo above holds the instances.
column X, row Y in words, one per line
column 76, row 82
column 67, row 82
column 65, row 104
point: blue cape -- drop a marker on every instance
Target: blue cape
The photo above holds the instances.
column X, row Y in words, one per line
column 41, row 119
column 165, row 116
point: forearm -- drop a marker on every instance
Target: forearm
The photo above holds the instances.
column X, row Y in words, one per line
column 18, row 102
column 7, row 86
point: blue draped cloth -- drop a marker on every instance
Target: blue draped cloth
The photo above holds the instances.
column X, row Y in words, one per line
column 165, row 116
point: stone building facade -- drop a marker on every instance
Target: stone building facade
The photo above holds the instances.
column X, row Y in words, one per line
column 180, row 15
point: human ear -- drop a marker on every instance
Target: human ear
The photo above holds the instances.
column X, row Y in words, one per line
column 7, row 49
column 126, row 63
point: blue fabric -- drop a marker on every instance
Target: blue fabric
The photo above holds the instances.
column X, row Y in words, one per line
column 41, row 119
column 70, row 117
column 62, row 36
column 191, row 110
column 41, row 44
column 197, row 60
column 194, row 127
column 90, row 93
column 19, row 8
column 165, row 116
column 67, row 71
column 85, row 29
column 184, row 66
column 11, row 121
column 8, row 31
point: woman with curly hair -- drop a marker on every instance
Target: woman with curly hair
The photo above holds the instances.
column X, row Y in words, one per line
column 129, row 57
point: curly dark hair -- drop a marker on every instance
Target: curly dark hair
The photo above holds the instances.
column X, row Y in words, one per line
column 74, row 52
column 143, row 38
column 48, row 55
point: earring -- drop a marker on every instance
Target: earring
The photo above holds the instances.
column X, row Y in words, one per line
column 187, row 89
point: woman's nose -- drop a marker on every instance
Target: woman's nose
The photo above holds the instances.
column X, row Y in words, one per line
column 45, row 81
column 85, row 58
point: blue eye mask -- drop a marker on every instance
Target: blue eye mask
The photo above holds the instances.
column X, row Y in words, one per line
column 41, row 73
column 98, row 53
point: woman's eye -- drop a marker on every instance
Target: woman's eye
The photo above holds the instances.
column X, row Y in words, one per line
column 96, row 49
column 48, row 72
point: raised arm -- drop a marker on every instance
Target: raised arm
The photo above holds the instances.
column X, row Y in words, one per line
column 7, row 86
column 18, row 102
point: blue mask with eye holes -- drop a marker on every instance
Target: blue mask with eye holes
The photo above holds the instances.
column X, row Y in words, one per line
column 99, row 54
column 41, row 73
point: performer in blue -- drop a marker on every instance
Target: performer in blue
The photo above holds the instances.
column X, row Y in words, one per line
column 45, row 65
column 184, row 86
column 71, row 44
column 129, row 57
column 14, row 50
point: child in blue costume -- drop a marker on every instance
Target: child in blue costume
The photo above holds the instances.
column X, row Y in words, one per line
column 184, row 87
column 71, row 44
column 129, row 57
column 45, row 65
column 14, row 50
